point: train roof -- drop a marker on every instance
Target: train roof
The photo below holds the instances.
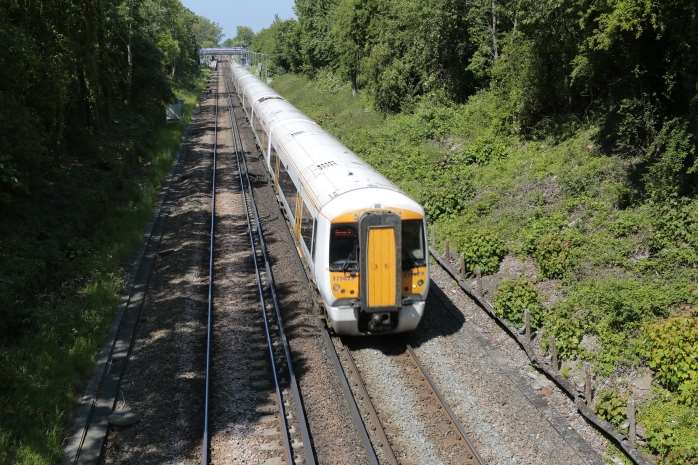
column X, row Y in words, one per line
column 327, row 168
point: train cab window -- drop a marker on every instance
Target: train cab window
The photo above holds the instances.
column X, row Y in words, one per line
column 287, row 187
column 307, row 227
column 344, row 248
column 413, row 250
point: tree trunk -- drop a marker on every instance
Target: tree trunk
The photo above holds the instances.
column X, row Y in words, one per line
column 495, row 50
column 129, row 54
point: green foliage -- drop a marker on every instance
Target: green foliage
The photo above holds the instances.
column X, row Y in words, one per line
column 446, row 199
column 83, row 149
column 244, row 38
column 567, row 329
column 484, row 150
column 672, row 352
column 281, row 43
column 39, row 371
column 554, row 245
column 671, row 429
column 516, row 295
column 480, row 249
column 625, row 64
column 671, row 160
column 208, row 33
column 611, row 406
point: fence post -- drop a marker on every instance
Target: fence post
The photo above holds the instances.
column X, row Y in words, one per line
column 478, row 281
column 553, row 353
column 588, row 390
column 461, row 265
column 632, row 427
column 447, row 250
column 527, row 325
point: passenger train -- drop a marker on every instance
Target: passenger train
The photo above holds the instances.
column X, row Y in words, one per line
column 362, row 240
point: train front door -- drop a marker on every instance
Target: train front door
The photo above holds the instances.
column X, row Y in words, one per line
column 380, row 245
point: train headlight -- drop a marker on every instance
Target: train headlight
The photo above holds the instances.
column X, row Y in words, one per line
column 420, row 283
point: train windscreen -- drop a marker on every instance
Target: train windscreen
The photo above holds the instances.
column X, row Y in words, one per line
column 344, row 248
column 413, row 250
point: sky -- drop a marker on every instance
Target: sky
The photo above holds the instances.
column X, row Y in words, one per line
column 256, row 14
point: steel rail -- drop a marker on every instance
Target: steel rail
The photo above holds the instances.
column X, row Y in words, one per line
column 209, row 310
column 252, row 214
column 454, row 421
column 359, row 389
column 283, row 418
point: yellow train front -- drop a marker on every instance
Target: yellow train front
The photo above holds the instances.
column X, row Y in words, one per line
column 362, row 239
column 377, row 273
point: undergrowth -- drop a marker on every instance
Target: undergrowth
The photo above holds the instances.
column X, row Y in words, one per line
column 42, row 372
column 626, row 267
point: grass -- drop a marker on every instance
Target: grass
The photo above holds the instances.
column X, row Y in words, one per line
column 42, row 372
column 617, row 264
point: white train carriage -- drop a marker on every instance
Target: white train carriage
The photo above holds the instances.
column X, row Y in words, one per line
column 362, row 239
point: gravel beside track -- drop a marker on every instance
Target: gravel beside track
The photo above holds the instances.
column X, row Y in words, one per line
column 516, row 415
column 417, row 426
column 334, row 436
column 163, row 380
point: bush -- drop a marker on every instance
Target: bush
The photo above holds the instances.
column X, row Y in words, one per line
column 479, row 248
column 554, row 245
column 672, row 352
column 671, row 160
column 446, row 195
column 682, row 456
column 566, row 326
column 516, row 295
column 484, row 149
column 611, row 406
column 675, row 224
column 671, row 429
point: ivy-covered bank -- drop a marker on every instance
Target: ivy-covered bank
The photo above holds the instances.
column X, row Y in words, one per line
column 553, row 223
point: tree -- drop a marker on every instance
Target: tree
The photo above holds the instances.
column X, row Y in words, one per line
column 281, row 43
column 245, row 36
column 208, row 33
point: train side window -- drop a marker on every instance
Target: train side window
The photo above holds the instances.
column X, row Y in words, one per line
column 307, row 227
column 344, row 248
column 413, row 251
column 288, row 189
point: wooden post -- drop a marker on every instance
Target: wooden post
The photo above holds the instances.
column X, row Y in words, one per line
column 461, row 265
column 527, row 325
column 553, row 353
column 632, row 427
column 432, row 233
column 478, row 281
column 588, row 390
column 447, row 250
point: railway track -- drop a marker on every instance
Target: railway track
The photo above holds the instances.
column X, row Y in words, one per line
column 449, row 436
column 292, row 427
